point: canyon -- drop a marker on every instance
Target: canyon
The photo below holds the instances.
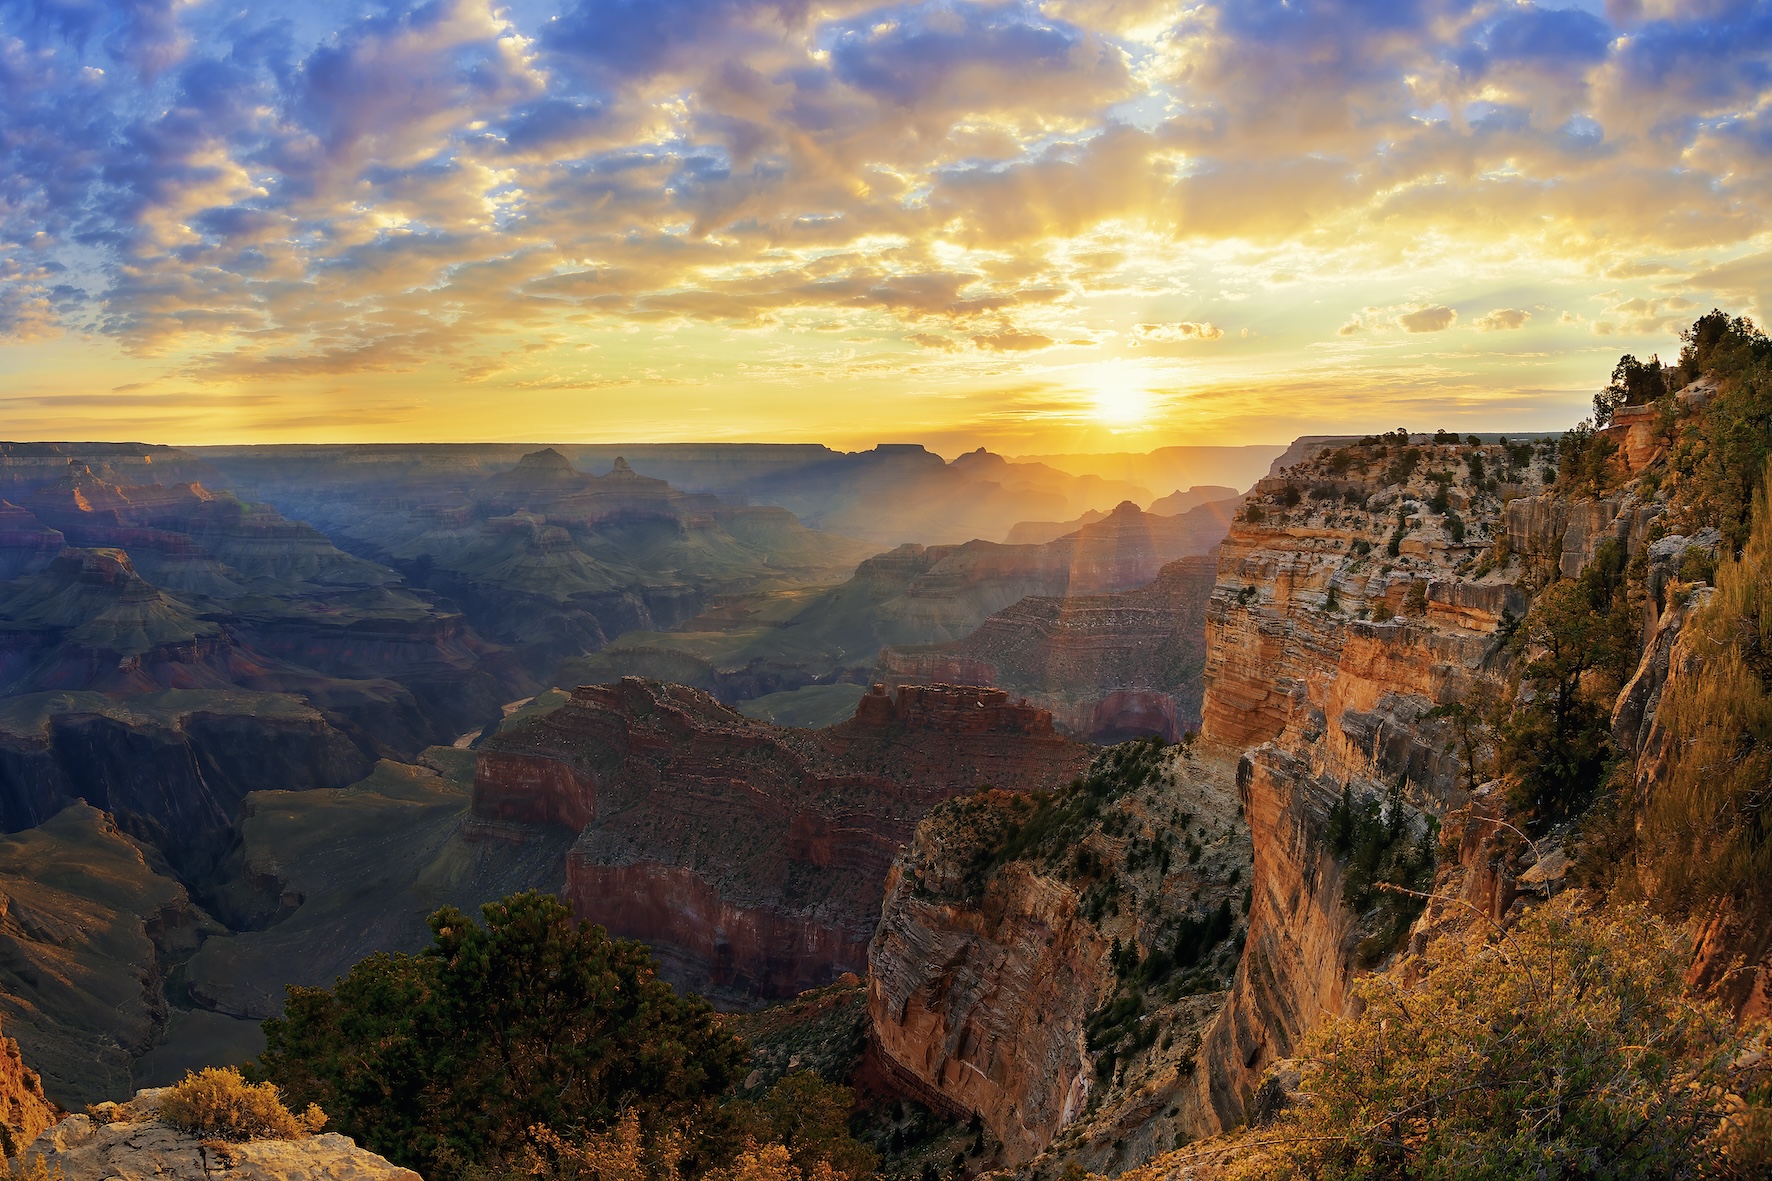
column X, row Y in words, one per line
column 240, row 710
column 1362, row 597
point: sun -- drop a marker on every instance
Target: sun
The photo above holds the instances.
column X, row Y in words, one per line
column 1121, row 405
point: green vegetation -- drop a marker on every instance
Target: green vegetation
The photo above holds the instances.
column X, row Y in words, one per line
column 1634, row 383
column 443, row 1061
column 1060, row 819
column 1718, row 457
column 1708, row 830
column 1581, row 632
column 1569, row 1048
column 1379, row 847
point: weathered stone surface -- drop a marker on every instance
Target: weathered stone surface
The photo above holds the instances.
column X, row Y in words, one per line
column 978, row 1001
column 1316, row 671
column 24, row 1109
column 135, row 1144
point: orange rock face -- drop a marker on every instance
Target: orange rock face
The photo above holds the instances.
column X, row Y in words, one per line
column 24, row 1109
column 752, row 856
column 1323, row 666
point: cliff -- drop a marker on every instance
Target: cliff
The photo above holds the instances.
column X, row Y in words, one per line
column 751, row 856
column 1364, row 586
column 1050, row 964
column 1109, row 667
column 24, row 1109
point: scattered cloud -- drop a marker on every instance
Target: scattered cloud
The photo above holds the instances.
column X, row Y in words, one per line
column 1173, row 333
column 326, row 190
column 1437, row 318
column 1011, row 341
column 1502, row 320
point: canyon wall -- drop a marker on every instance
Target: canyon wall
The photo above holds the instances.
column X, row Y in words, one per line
column 751, row 856
column 1109, row 667
column 1057, row 984
column 1327, row 654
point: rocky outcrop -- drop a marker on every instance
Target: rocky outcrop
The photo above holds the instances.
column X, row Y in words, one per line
column 129, row 1140
column 1031, row 993
column 172, row 767
column 1340, row 621
column 751, row 856
column 1108, row 667
column 24, row 1109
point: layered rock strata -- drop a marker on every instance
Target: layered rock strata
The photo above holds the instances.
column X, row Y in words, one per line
column 1022, row 984
column 1326, row 655
column 1109, row 667
column 1366, row 584
column 751, row 856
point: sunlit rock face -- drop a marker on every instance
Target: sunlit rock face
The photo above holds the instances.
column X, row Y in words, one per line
column 751, row 856
column 981, row 987
column 1325, row 654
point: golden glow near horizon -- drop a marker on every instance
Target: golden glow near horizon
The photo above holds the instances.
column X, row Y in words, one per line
column 1070, row 225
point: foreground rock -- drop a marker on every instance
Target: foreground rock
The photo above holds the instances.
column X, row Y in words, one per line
column 136, row 1144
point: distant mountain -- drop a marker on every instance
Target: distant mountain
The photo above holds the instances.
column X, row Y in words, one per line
column 1180, row 502
column 889, row 494
column 927, row 594
column 1108, row 666
column 1171, row 467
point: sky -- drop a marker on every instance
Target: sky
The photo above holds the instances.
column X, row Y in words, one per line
column 1069, row 225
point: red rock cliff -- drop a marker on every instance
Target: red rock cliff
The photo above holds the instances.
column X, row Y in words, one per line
column 752, row 856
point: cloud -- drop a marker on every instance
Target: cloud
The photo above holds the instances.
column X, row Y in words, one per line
column 1437, row 318
column 287, row 193
column 1173, row 333
column 1011, row 341
column 1502, row 320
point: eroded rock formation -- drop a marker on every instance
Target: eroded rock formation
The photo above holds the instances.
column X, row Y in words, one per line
column 1109, row 667
column 751, row 856
column 1049, row 986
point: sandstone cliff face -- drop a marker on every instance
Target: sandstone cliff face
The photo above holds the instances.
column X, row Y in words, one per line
column 24, row 1109
column 1029, row 986
column 751, row 856
column 1324, row 667
column 134, row 1143
column 1109, row 667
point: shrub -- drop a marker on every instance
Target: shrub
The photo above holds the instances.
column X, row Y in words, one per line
column 1707, row 830
column 217, row 1102
column 1567, row 1048
column 1379, row 849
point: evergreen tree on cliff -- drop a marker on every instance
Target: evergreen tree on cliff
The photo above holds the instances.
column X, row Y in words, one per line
column 444, row 1061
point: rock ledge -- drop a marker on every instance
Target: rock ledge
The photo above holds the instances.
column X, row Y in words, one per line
column 136, row 1145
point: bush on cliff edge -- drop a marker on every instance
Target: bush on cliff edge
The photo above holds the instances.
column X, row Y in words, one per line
column 1566, row 1048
